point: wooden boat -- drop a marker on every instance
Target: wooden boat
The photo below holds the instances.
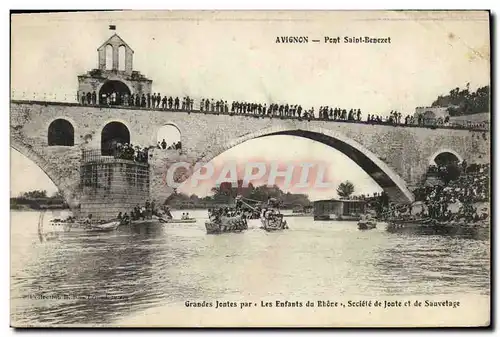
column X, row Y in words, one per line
column 157, row 220
column 273, row 221
column 58, row 225
column 103, row 227
column 366, row 224
column 139, row 222
column 190, row 220
column 226, row 225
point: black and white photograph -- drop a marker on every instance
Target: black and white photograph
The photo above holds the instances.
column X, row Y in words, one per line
column 250, row 169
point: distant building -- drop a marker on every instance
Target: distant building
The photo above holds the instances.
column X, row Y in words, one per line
column 334, row 209
column 114, row 80
column 431, row 113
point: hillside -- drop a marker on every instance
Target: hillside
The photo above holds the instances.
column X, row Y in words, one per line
column 464, row 102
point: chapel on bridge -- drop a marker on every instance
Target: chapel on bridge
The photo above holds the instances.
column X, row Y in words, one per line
column 114, row 80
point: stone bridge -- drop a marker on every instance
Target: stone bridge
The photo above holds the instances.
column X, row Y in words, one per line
column 396, row 157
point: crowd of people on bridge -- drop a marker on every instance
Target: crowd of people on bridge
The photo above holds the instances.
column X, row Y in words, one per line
column 130, row 152
column 337, row 114
column 148, row 101
column 209, row 105
column 174, row 146
column 282, row 110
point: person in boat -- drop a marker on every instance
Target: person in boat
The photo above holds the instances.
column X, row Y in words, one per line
column 167, row 212
column 88, row 220
column 239, row 202
column 135, row 213
column 143, row 213
column 147, row 208
column 125, row 219
column 119, row 217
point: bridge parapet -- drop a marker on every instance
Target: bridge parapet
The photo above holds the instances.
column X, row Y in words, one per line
column 95, row 156
column 431, row 123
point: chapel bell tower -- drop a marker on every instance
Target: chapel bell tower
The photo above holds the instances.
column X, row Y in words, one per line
column 120, row 52
column 114, row 81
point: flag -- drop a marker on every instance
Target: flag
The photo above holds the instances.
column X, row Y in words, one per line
column 112, row 27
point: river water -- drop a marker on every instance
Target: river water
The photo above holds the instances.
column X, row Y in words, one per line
column 101, row 278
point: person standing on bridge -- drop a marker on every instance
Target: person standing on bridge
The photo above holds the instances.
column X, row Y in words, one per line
column 153, row 99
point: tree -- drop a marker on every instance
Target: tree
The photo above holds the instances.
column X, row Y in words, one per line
column 36, row 194
column 345, row 189
column 464, row 102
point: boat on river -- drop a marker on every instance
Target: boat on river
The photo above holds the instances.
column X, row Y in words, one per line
column 366, row 224
column 58, row 225
column 190, row 220
column 157, row 220
column 272, row 221
column 225, row 224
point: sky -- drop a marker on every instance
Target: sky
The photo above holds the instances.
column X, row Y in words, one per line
column 234, row 56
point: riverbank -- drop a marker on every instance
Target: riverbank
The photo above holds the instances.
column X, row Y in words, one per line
column 35, row 204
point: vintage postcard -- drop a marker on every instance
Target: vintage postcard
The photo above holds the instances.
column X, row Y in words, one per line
column 250, row 169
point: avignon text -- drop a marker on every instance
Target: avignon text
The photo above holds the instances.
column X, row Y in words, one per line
column 334, row 39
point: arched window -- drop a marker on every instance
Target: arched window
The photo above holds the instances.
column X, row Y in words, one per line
column 109, row 57
column 169, row 137
column 429, row 114
column 112, row 134
column 121, row 58
column 61, row 133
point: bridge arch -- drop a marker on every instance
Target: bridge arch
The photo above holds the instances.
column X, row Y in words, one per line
column 169, row 132
column 68, row 190
column 60, row 132
column 379, row 171
column 112, row 133
column 446, row 155
column 115, row 89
